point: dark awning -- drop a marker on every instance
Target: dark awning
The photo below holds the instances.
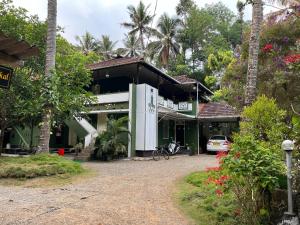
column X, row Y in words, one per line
column 12, row 51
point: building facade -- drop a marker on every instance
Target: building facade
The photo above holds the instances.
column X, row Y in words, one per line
column 158, row 106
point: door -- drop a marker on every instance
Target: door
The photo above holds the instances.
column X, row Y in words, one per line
column 180, row 134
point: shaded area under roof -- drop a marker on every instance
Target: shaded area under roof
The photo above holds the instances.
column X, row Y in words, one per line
column 215, row 110
column 13, row 51
column 119, row 62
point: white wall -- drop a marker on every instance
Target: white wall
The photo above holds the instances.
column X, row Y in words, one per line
column 146, row 118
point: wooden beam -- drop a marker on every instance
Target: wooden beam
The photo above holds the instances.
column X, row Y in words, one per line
column 33, row 51
column 17, row 48
column 7, row 43
column 8, row 58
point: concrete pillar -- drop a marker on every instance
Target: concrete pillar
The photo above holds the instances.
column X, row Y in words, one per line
column 101, row 122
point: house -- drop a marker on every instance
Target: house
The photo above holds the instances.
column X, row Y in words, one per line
column 159, row 107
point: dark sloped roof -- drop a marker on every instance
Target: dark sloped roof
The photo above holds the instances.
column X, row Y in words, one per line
column 12, row 50
column 115, row 62
column 122, row 61
column 185, row 79
column 216, row 110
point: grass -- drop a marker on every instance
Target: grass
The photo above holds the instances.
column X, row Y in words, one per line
column 42, row 165
column 199, row 201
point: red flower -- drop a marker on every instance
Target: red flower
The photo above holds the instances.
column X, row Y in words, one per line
column 292, row 59
column 219, row 192
column 237, row 155
column 267, row 48
column 224, row 177
column 218, row 182
column 221, row 155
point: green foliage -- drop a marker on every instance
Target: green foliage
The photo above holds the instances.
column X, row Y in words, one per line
column 210, row 81
column 276, row 78
column 165, row 46
column 264, row 121
column 37, row 166
column 114, row 140
column 220, row 95
column 220, row 60
column 254, row 162
column 30, row 90
column 199, row 200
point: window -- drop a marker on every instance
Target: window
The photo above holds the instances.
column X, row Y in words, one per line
column 165, row 129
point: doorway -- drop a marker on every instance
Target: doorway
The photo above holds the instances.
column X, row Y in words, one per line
column 180, row 134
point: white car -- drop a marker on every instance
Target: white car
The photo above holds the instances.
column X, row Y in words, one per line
column 218, row 143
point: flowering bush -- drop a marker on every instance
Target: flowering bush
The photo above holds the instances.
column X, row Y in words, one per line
column 267, row 48
column 292, row 59
column 254, row 163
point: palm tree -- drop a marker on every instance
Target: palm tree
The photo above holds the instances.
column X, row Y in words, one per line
column 131, row 46
column 241, row 7
column 257, row 19
column 87, row 43
column 166, row 45
column 49, row 67
column 140, row 22
column 106, row 47
column 114, row 140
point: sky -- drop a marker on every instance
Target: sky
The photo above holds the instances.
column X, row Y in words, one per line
column 103, row 17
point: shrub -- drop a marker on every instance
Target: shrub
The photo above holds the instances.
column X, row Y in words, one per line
column 114, row 140
column 37, row 166
column 254, row 163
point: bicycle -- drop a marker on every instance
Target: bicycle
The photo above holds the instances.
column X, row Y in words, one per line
column 158, row 152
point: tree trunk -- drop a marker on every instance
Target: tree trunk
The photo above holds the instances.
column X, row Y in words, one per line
column 257, row 18
column 142, row 42
column 49, row 67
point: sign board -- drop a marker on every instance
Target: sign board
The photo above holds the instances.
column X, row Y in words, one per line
column 161, row 101
column 170, row 104
column 5, row 76
column 146, row 117
column 183, row 106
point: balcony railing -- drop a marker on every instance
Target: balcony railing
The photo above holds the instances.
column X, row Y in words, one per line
column 181, row 106
column 112, row 98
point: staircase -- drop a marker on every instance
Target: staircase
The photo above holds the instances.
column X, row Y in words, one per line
column 86, row 131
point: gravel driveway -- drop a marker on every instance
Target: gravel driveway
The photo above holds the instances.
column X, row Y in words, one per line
column 122, row 193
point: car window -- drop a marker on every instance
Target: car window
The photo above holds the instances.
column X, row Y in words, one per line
column 218, row 137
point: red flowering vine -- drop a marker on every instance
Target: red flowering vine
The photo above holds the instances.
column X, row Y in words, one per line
column 292, row 59
column 219, row 192
column 267, row 48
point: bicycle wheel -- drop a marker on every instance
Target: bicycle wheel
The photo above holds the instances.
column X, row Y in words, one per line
column 156, row 155
column 165, row 154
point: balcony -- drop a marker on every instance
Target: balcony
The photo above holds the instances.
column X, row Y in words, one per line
column 112, row 98
column 169, row 104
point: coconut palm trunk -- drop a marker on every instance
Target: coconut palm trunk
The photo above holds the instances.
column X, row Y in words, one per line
column 44, row 138
column 257, row 18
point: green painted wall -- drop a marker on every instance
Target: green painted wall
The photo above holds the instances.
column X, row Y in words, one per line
column 161, row 140
column 191, row 134
column 17, row 132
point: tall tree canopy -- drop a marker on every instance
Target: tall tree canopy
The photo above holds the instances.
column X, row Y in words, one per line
column 140, row 23
column 165, row 45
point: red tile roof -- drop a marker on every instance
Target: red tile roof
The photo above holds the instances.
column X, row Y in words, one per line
column 115, row 62
column 216, row 110
column 185, row 79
